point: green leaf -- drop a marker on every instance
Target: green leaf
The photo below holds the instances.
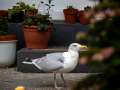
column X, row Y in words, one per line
column 39, row 28
column 18, row 3
column 47, row 4
column 89, row 71
column 50, row 17
column 54, row 27
column 29, row 21
column 11, row 12
column 35, row 15
column 46, row 28
column 52, row 5
column 27, row 15
column 50, row 1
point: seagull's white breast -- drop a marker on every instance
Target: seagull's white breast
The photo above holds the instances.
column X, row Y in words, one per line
column 70, row 62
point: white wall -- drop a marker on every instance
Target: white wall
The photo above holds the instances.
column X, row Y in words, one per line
column 58, row 8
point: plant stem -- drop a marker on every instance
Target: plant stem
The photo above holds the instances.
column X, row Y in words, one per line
column 39, row 5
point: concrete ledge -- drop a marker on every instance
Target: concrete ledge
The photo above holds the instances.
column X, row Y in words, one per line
column 33, row 54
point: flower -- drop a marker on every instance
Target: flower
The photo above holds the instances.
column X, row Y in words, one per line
column 105, row 53
column 38, row 23
column 83, row 60
column 97, row 56
column 88, row 14
column 112, row 13
column 101, row 14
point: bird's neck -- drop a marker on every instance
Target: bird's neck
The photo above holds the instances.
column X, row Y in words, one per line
column 73, row 53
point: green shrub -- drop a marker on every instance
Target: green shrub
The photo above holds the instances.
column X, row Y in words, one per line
column 3, row 26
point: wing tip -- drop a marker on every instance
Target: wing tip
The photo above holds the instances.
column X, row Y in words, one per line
column 27, row 62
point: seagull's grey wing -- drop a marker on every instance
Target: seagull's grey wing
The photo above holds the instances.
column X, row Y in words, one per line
column 50, row 62
column 57, row 56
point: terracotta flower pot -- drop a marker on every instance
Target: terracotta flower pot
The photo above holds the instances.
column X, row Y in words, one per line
column 4, row 13
column 83, row 20
column 32, row 12
column 70, row 17
column 8, row 37
column 35, row 39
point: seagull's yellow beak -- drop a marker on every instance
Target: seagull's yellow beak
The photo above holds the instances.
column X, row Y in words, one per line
column 83, row 46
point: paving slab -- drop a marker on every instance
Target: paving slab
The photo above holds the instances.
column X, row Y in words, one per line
column 10, row 79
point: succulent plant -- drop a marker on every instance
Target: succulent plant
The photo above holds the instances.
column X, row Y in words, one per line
column 70, row 8
column 87, row 8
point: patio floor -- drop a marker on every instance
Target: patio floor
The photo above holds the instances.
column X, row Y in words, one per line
column 10, row 79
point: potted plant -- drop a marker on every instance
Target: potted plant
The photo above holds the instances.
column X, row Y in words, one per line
column 70, row 14
column 7, row 44
column 31, row 9
column 37, row 29
column 16, row 12
column 4, row 13
column 82, row 13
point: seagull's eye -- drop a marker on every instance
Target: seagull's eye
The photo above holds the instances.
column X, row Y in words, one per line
column 74, row 45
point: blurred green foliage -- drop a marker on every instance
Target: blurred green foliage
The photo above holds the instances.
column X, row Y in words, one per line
column 3, row 26
column 16, row 9
column 30, row 8
column 104, row 37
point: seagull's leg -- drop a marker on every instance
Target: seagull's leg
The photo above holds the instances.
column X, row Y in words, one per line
column 63, row 78
column 56, row 83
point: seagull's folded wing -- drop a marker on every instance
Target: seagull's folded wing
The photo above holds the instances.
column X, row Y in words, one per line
column 50, row 62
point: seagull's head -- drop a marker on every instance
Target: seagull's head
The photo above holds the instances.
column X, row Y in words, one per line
column 76, row 47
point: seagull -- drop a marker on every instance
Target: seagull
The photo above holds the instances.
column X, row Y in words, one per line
column 59, row 62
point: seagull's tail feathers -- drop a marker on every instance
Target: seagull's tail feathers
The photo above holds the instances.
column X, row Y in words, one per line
column 31, row 61
column 28, row 61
